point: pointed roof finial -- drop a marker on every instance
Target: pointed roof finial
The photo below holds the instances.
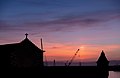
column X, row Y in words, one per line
column 26, row 35
column 102, row 51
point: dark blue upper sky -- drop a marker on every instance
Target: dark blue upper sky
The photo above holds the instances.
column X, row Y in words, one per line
column 29, row 10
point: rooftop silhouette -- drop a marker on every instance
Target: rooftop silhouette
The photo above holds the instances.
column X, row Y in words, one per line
column 22, row 54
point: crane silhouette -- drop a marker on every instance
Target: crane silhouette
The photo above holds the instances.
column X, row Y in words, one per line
column 68, row 63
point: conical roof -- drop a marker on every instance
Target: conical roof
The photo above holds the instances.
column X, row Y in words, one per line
column 102, row 57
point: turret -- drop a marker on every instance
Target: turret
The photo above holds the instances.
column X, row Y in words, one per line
column 103, row 66
column 102, row 60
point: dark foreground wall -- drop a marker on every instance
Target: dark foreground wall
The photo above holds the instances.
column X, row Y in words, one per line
column 57, row 72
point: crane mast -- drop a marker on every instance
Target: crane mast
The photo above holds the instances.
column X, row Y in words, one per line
column 72, row 58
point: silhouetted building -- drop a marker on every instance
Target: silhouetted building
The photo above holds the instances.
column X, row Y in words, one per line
column 102, row 60
column 23, row 54
column 103, row 66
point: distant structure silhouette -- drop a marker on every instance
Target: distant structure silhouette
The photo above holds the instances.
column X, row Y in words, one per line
column 103, row 65
column 102, row 61
column 54, row 63
column 23, row 54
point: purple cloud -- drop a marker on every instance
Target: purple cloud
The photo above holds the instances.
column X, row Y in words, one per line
column 81, row 21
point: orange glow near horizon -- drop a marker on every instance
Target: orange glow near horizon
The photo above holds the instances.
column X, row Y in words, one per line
column 62, row 52
column 87, row 52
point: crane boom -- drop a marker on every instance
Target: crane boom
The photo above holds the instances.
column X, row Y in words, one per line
column 73, row 58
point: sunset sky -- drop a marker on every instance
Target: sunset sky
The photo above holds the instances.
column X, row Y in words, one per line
column 65, row 26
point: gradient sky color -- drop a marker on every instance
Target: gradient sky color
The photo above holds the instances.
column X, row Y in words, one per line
column 65, row 26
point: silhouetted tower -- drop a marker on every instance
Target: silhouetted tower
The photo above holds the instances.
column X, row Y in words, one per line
column 103, row 66
column 102, row 60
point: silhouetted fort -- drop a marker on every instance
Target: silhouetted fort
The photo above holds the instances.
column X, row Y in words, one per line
column 25, row 57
